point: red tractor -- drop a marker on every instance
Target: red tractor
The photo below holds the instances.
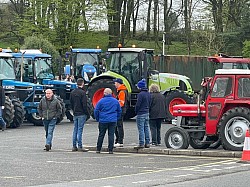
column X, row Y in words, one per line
column 223, row 116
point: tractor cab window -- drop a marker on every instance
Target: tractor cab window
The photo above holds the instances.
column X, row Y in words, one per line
column 7, row 69
column 233, row 66
column 222, row 87
column 43, row 68
column 85, row 58
column 244, row 87
column 27, row 68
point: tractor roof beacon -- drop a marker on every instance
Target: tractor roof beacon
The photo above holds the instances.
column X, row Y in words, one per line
column 223, row 118
column 133, row 64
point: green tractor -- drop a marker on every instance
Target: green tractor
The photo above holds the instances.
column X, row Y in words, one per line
column 132, row 65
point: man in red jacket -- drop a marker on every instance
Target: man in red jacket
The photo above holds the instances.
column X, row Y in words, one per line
column 122, row 98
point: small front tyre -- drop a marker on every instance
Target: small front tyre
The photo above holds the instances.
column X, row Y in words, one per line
column 177, row 138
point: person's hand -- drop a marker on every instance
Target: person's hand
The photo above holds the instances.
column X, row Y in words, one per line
column 2, row 107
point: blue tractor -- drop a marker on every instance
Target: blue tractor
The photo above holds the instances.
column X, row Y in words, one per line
column 36, row 67
column 84, row 63
column 24, row 96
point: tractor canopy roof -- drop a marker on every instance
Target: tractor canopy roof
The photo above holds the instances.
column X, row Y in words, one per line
column 138, row 50
column 79, row 50
column 30, row 53
column 228, row 60
column 6, row 55
column 232, row 72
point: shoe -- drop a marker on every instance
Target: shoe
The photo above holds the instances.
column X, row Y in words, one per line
column 118, row 145
column 147, row 145
column 139, row 147
column 110, row 152
column 154, row 144
column 47, row 147
column 98, row 152
column 83, row 149
column 158, row 144
column 74, row 149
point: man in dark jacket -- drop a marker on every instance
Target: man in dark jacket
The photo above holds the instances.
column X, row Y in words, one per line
column 142, row 112
column 50, row 110
column 107, row 112
column 157, row 113
column 2, row 102
column 122, row 95
column 78, row 101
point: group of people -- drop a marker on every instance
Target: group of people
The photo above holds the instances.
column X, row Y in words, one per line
column 109, row 112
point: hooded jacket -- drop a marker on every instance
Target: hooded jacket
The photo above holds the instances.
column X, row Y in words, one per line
column 143, row 102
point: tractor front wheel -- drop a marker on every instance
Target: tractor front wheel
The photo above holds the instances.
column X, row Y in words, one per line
column 177, row 138
column 35, row 119
column 19, row 113
column 233, row 126
column 176, row 97
column 8, row 112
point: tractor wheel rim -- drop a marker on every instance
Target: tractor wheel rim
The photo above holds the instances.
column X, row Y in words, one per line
column 97, row 96
column 36, row 116
column 175, row 101
column 175, row 140
column 235, row 130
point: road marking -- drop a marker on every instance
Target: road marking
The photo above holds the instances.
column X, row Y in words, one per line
column 177, row 176
column 13, row 177
column 139, row 182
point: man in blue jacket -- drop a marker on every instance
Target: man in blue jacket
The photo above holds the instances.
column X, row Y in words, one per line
column 142, row 112
column 107, row 112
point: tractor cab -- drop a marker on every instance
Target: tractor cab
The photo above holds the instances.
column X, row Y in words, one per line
column 33, row 66
column 132, row 63
column 84, row 63
column 223, row 61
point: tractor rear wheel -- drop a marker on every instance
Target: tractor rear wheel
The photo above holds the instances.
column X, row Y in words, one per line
column 176, row 138
column 233, row 126
column 8, row 112
column 95, row 91
column 176, row 97
column 19, row 113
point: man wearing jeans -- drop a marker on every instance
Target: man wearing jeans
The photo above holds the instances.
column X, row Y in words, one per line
column 50, row 110
column 78, row 101
column 2, row 102
column 142, row 112
column 107, row 112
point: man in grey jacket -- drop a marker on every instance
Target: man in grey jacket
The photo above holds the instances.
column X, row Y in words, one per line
column 50, row 110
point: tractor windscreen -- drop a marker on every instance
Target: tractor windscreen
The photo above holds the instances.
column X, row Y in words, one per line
column 7, row 69
column 86, row 58
column 232, row 66
column 43, row 68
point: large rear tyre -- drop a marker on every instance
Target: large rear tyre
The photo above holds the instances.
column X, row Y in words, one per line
column 95, row 90
column 19, row 113
column 176, row 97
column 177, row 138
column 8, row 112
column 233, row 126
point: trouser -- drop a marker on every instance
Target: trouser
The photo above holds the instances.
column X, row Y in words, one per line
column 155, row 128
column 103, row 127
column 49, row 126
column 119, row 131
